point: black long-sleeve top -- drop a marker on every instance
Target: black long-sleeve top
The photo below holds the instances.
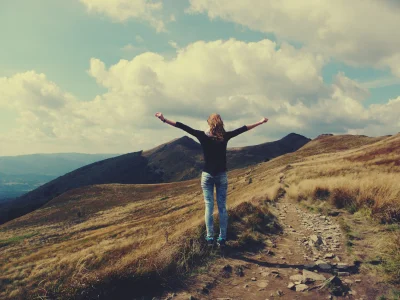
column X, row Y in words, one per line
column 214, row 150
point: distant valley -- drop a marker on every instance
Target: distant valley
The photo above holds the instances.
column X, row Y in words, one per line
column 23, row 173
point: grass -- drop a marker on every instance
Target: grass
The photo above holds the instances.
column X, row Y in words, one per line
column 391, row 295
column 346, row 229
column 183, row 256
column 391, row 258
column 17, row 239
column 364, row 183
column 373, row 191
column 120, row 238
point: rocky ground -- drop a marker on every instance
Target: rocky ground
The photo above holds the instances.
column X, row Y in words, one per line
column 308, row 261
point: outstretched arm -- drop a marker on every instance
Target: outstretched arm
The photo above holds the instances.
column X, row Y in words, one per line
column 263, row 120
column 244, row 128
column 194, row 132
column 161, row 117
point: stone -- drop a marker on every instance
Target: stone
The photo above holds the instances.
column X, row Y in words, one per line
column 239, row 271
column 334, row 285
column 279, row 293
column 307, row 275
column 309, row 266
column 329, row 255
column 246, row 286
column 343, row 274
column 301, row 288
column 262, row 284
column 315, row 239
column 348, row 281
column 357, row 280
column 275, row 273
column 253, row 278
column 291, row 285
column 342, row 266
column 297, row 277
column 323, row 265
column 227, row 268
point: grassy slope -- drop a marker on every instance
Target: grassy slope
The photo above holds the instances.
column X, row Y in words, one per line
column 97, row 232
column 363, row 183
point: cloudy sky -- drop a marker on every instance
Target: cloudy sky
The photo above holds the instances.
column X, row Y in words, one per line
column 89, row 75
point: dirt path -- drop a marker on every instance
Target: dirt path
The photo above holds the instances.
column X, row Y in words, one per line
column 292, row 266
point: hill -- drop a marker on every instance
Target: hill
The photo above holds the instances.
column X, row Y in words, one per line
column 180, row 159
column 23, row 173
column 105, row 236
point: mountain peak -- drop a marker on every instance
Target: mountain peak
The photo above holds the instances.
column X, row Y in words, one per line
column 184, row 141
column 293, row 135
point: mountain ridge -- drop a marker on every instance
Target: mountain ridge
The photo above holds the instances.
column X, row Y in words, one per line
column 177, row 160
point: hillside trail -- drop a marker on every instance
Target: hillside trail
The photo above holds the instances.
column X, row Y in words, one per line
column 300, row 263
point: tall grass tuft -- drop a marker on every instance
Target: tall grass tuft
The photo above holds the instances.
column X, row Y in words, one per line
column 379, row 193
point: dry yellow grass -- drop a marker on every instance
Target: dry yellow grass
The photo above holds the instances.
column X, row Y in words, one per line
column 364, row 181
column 374, row 191
column 91, row 234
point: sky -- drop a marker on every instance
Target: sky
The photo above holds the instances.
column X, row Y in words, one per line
column 89, row 75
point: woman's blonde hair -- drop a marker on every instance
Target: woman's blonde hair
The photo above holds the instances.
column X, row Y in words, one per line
column 216, row 126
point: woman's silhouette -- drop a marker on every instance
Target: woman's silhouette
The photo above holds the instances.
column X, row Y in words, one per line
column 214, row 143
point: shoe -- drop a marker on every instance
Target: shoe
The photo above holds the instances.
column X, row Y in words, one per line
column 210, row 242
column 221, row 243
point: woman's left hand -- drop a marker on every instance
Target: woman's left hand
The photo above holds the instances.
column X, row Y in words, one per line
column 160, row 116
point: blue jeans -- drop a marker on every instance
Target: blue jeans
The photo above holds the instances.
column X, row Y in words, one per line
column 220, row 181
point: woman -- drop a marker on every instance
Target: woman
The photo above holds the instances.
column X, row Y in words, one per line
column 214, row 143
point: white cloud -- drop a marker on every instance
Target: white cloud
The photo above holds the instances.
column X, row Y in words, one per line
column 241, row 81
column 173, row 44
column 122, row 10
column 33, row 91
column 130, row 50
column 380, row 82
column 203, row 72
column 359, row 34
column 139, row 39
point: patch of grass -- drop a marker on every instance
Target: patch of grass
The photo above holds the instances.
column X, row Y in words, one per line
column 279, row 194
column 352, row 208
column 16, row 239
column 341, row 198
column 392, row 295
column 321, row 193
column 375, row 193
column 391, row 258
column 348, row 234
column 392, row 227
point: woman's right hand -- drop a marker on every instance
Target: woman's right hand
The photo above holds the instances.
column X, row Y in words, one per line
column 160, row 116
column 264, row 120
